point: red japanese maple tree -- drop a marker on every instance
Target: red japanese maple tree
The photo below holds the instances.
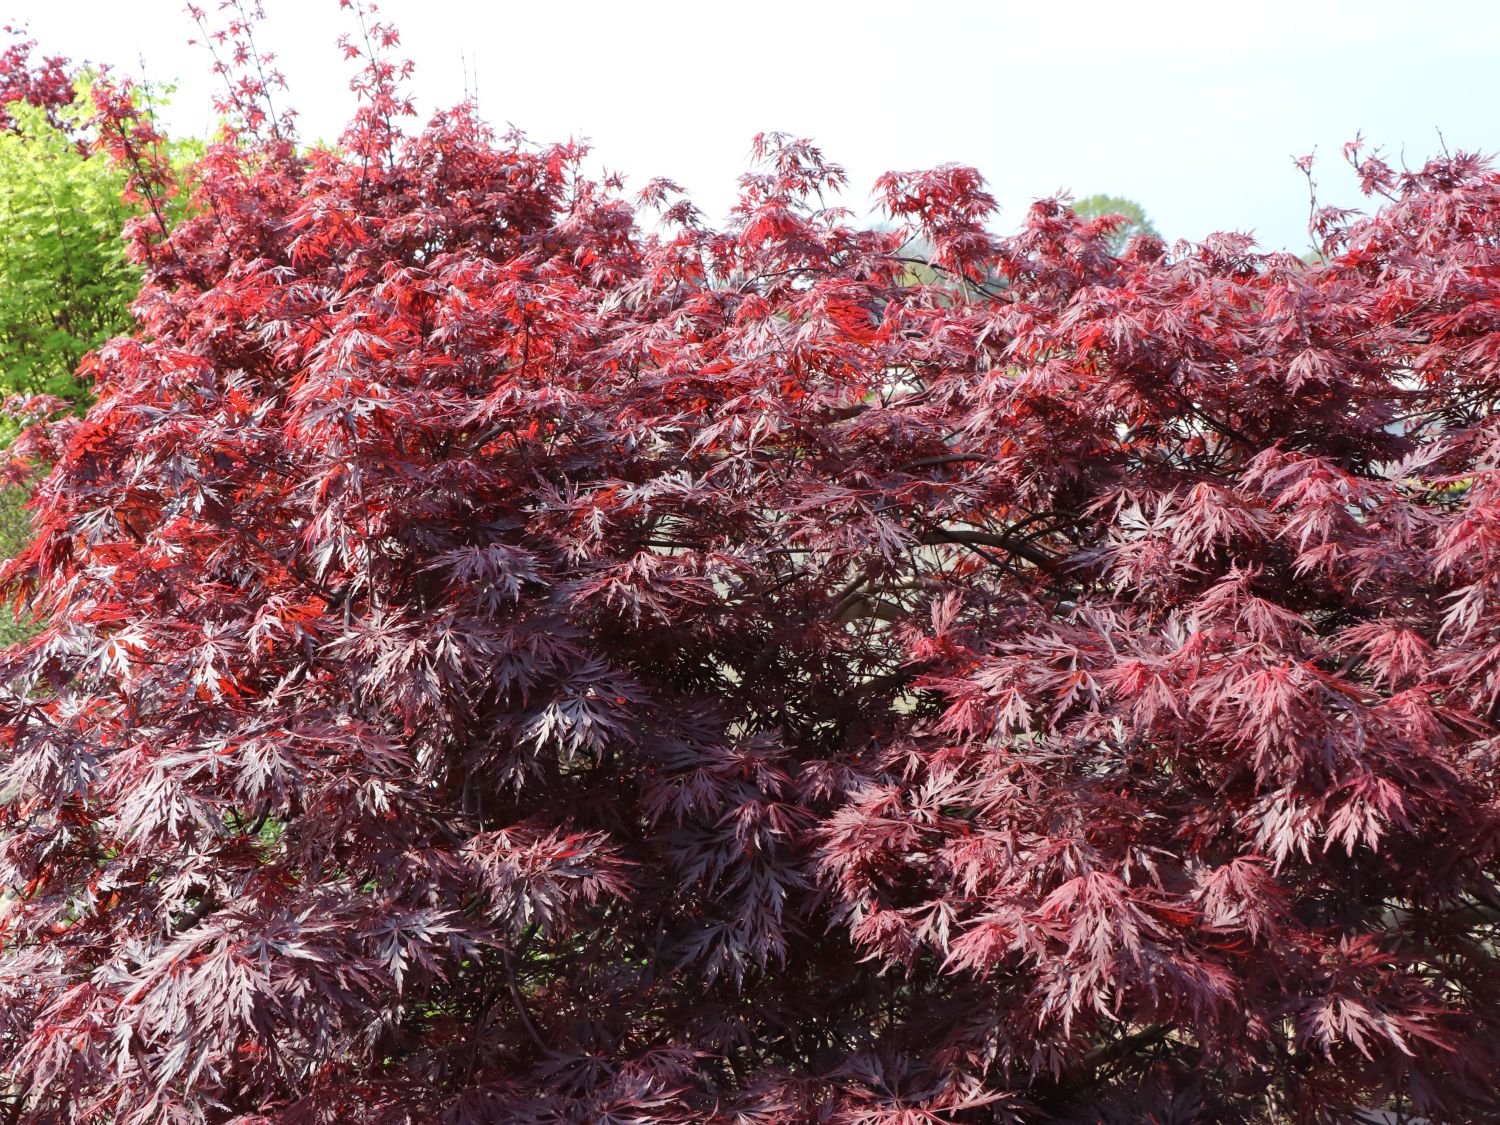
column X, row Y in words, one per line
column 501, row 664
column 47, row 83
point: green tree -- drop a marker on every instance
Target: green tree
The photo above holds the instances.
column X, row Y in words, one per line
column 1094, row 206
column 65, row 283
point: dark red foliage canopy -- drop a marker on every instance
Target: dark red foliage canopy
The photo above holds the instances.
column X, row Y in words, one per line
column 503, row 665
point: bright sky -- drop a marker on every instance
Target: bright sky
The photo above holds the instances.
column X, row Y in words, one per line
column 1192, row 107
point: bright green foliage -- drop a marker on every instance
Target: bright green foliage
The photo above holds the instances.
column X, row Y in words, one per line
column 1096, row 205
column 65, row 283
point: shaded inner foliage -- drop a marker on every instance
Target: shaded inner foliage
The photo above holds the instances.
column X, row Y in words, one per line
column 502, row 664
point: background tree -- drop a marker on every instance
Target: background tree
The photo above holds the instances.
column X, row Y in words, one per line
column 1136, row 222
column 65, row 282
column 502, row 665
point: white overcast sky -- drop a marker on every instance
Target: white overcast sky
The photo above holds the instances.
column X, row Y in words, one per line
column 1194, row 108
